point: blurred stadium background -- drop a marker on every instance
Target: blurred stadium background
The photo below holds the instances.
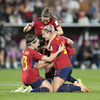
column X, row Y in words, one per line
column 80, row 22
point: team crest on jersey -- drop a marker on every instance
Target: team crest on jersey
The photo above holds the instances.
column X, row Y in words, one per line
column 57, row 38
column 51, row 49
column 41, row 27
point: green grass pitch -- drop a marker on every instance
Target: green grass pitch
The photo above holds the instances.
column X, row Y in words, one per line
column 10, row 79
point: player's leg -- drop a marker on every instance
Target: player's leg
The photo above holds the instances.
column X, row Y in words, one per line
column 46, row 84
column 72, row 59
column 68, row 88
column 57, row 82
column 49, row 72
column 41, row 85
column 60, row 77
column 58, row 87
column 71, row 79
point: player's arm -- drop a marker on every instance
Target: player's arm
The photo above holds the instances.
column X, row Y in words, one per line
column 27, row 27
column 59, row 30
column 51, row 58
column 41, row 65
column 68, row 41
column 58, row 27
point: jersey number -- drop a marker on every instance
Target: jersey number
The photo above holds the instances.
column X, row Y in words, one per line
column 25, row 61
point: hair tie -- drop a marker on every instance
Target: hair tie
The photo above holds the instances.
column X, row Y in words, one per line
column 33, row 40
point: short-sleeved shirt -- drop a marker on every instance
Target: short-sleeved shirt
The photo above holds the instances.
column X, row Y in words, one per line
column 38, row 24
column 69, row 48
column 29, row 73
column 62, row 59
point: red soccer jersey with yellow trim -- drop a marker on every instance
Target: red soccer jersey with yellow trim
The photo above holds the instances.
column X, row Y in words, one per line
column 62, row 59
column 38, row 24
column 29, row 73
column 69, row 48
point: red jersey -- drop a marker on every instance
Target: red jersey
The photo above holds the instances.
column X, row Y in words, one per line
column 62, row 59
column 38, row 24
column 69, row 48
column 29, row 73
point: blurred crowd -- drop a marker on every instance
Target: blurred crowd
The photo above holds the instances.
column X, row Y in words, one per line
column 88, row 55
column 10, row 50
column 68, row 11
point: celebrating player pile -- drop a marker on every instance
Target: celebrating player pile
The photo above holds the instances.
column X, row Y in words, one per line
column 62, row 57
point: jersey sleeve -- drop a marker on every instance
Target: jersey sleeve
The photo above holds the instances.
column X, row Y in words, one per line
column 38, row 56
column 55, row 23
column 33, row 24
column 65, row 39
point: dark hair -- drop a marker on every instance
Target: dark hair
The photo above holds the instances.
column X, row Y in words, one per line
column 46, row 13
column 30, row 39
column 41, row 40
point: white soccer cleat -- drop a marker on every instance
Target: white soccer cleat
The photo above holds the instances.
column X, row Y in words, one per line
column 27, row 89
column 18, row 89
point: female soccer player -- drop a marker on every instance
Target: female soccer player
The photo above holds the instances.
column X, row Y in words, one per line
column 46, row 19
column 30, row 75
column 62, row 65
column 70, row 50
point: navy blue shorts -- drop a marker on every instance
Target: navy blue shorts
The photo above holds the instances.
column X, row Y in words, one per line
column 63, row 73
column 72, row 59
column 37, row 83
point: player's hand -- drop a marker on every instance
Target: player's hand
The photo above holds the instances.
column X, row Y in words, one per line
column 37, row 66
column 29, row 24
column 61, row 48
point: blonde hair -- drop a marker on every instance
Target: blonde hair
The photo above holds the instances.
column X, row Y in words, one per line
column 49, row 28
column 46, row 13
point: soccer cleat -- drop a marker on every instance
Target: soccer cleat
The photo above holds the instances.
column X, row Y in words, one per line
column 79, row 80
column 27, row 89
column 83, row 88
column 18, row 89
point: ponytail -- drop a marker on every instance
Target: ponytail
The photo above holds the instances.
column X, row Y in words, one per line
column 46, row 13
column 53, row 17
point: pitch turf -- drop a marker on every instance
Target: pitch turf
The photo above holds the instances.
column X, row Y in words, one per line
column 10, row 79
